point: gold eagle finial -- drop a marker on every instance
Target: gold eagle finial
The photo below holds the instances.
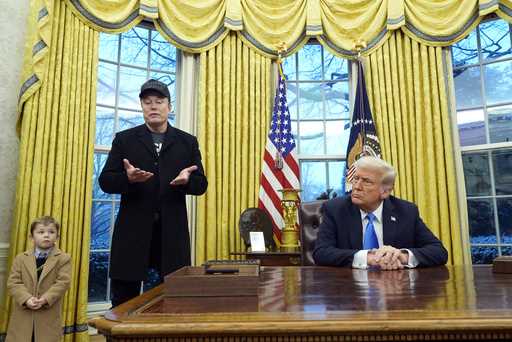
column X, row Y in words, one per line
column 359, row 45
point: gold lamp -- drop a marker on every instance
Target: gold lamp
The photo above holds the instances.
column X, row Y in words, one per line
column 290, row 234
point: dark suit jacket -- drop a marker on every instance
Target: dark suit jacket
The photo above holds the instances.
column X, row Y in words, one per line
column 131, row 240
column 340, row 234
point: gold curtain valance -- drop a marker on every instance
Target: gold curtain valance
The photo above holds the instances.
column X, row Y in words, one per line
column 198, row 25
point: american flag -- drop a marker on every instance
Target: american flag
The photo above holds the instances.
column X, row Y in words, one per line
column 280, row 169
column 363, row 134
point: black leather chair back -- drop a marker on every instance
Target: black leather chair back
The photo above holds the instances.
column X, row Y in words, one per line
column 310, row 216
column 256, row 220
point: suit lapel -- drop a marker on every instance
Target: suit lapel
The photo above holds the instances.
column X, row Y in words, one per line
column 355, row 224
column 170, row 138
column 29, row 260
column 389, row 223
column 144, row 136
column 50, row 263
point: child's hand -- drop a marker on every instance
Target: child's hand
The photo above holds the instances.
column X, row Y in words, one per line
column 42, row 301
column 33, row 303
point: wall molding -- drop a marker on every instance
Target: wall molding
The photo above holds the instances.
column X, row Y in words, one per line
column 4, row 254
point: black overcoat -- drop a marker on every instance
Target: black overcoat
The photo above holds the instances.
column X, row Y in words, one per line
column 131, row 240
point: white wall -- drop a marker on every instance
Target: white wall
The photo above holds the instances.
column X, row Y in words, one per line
column 13, row 17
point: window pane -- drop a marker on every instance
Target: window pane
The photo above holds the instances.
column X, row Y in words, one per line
column 471, row 127
column 337, row 137
column 117, row 204
column 494, row 39
column 313, row 180
column 291, row 97
column 488, row 194
column 289, row 67
column 125, row 113
column 477, row 174
column 294, row 129
column 312, row 137
column 483, row 255
column 335, row 68
column 498, row 84
column 104, row 126
column 337, row 103
column 506, row 250
column 106, row 88
column 465, row 52
column 134, row 47
column 505, row 219
column 99, row 161
column 172, row 119
column 98, row 272
column 310, row 101
column 481, row 221
column 129, row 119
column 130, row 81
column 310, row 62
column 467, row 89
column 100, row 225
column 502, row 163
column 500, row 123
column 109, row 46
column 337, row 177
column 163, row 54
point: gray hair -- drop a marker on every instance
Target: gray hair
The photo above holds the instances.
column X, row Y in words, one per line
column 381, row 166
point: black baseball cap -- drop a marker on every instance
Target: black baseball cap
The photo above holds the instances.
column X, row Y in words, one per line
column 154, row 86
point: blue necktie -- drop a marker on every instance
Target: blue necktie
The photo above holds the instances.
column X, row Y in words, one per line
column 370, row 238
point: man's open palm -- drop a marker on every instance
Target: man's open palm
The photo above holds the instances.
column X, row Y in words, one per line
column 184, row 176
column 135, row 175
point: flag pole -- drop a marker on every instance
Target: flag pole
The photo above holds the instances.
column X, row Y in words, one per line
column 359, row 46
column 290, row 197
column 363, row 139
column 281, row 49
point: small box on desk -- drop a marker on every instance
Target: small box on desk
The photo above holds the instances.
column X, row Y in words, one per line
column 502, row 264
column 213, row 281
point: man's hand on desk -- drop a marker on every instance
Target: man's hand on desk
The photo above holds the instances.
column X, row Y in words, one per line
column 388, row 258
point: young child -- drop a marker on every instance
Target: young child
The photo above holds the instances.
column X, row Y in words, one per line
column 37, row 282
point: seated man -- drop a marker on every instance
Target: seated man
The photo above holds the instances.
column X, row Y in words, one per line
column 370, row 228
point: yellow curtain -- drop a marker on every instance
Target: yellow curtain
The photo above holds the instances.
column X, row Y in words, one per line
column 55, row 158
column 233, row 121
column 38, row 39
column 408, row 93
column 197, row 25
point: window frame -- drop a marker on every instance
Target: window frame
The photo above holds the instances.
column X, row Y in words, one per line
column 488, row 147
column 95, row 307
column 325, row 158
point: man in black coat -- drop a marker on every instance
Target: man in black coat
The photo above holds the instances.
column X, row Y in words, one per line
column 153, row 166
column 370, row 228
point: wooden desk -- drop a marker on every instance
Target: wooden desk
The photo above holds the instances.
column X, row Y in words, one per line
column 273, row 258
column 332, row 304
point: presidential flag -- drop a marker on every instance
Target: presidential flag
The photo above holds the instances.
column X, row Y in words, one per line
column 280, row 167
column 363, row 139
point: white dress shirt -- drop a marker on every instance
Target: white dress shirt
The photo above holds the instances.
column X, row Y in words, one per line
column 42, row 252
column 361, row 257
